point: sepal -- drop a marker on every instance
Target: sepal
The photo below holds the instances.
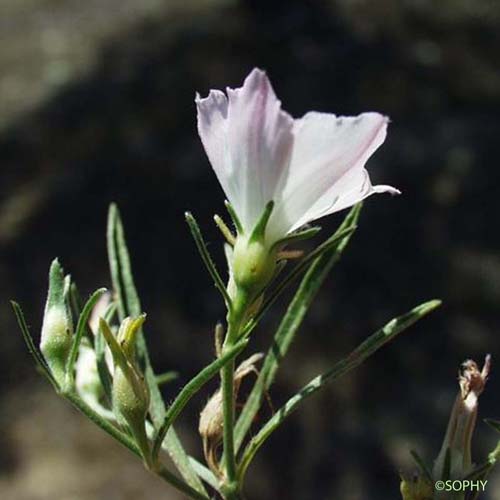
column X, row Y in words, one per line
column 234, row 217
column 259, row 231
column 301, row 235
column 254, row 261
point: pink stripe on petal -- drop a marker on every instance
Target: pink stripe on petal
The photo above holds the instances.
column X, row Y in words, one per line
column 310, row 167
column 327, row 166
column 260, row 142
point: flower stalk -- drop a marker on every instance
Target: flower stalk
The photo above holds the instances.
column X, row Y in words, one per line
column 235, row 321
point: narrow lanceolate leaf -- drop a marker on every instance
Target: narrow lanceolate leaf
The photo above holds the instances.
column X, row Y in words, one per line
column 191, row 388
column 28, row 339
column 129, row 305
column 291, row 322
column 205, row 473
column 205, row 255
column 167, row 377
column 494, row 424
column 355, row 358
column 80, row 329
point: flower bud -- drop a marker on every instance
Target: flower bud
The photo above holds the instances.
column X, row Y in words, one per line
column 57, row 328
column 130, row 393
column 131, row 398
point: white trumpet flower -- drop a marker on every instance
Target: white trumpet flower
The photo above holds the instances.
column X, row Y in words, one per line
column 309, row 167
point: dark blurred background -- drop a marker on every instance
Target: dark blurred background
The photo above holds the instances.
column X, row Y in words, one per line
column 96, row 104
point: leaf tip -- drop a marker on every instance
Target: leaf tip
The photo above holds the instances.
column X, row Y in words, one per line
column 429, row 306
column 494, row 424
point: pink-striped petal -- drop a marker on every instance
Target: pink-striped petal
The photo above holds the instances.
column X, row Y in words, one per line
column 310, row 167
column 248, row 139
column 327, row 167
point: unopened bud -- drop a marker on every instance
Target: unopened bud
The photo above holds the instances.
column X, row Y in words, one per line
column 57, row 328
column 130, row 396
column 131, row 403
column 130, row 392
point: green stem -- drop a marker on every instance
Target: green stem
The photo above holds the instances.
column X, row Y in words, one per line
column 236, row 316
column 190, row 389
column 104, row 424
column 227, row 383
column 128, row 442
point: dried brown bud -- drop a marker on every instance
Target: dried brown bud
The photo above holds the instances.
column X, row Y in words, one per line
column 211, row 418
column 458, row 438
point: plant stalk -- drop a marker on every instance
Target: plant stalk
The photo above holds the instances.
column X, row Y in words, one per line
column 128, row 442
column 235, row 321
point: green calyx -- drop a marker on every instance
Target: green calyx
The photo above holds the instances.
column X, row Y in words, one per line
column 254, row 259
column 253, row 265
column 57, row 328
